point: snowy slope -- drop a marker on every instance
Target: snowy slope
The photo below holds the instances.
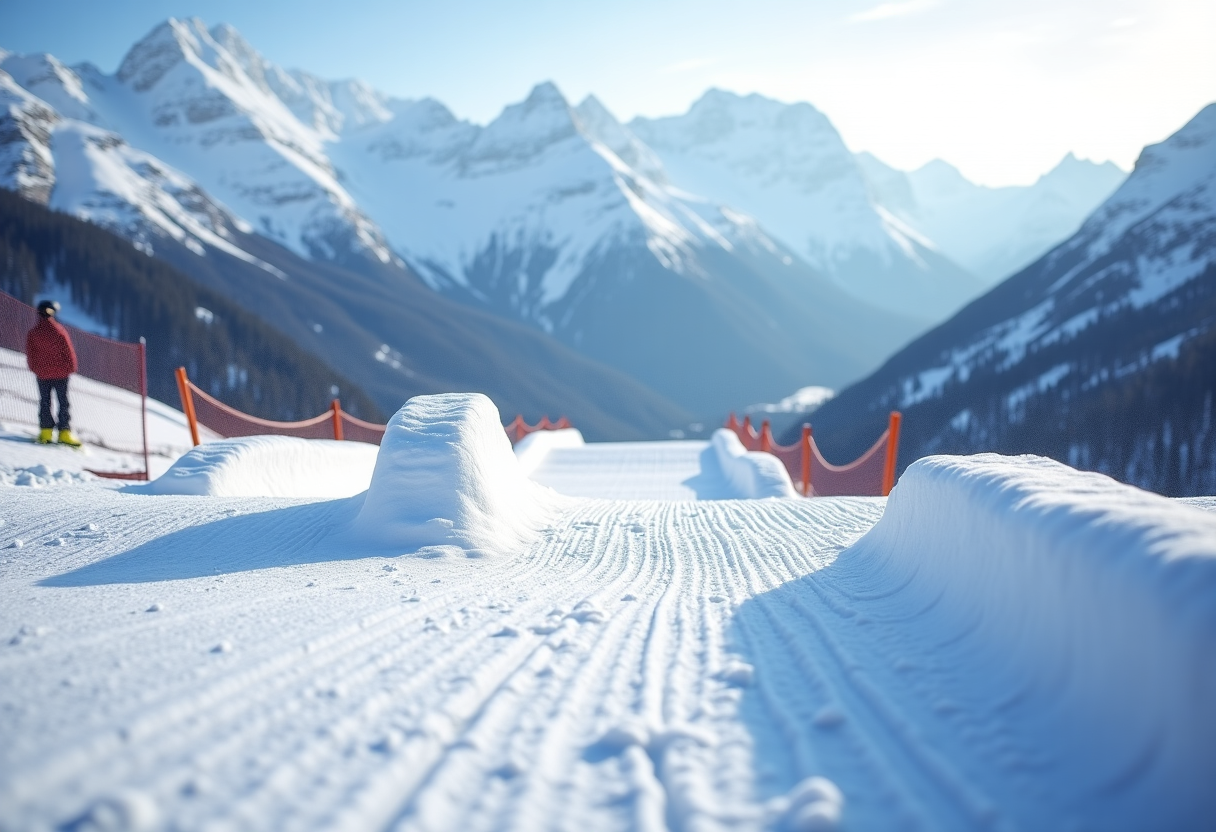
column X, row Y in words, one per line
column 787, row 166
column 992, row 232
column 763, row 664
column 1117, row 319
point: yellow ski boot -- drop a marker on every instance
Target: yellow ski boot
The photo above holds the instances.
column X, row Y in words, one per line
column 66, row 438
column 44, row 437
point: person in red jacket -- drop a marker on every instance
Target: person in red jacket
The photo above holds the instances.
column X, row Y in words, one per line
column 49, row 354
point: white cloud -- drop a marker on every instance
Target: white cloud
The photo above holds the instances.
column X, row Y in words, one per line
column 884, row 11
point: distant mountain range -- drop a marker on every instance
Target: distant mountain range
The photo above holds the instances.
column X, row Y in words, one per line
column 1102, row 353
column 725, row 256
column 991, row 232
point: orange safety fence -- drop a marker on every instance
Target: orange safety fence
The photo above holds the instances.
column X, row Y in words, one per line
column 112, row 415
column 871, row 474
column 518, row 428
column 203, row 409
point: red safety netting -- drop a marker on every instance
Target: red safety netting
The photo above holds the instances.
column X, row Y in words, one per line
column 361, row 431
column 110, row 415
column 871, row 474
column 228, row 421
column 206, row 410
column 518, row 429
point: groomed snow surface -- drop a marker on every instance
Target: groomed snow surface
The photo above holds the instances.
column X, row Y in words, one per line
column 1005, row 643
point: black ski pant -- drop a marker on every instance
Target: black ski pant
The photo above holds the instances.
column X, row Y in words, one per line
column 60, row 386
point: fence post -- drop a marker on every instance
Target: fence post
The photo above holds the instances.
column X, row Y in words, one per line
column 766, row 437
column 143, row 401
column 888, row 471
column 183, row 389
column 336, row 407
column 806, row 460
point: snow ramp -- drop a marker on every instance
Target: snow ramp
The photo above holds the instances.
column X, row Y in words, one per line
column 1086, row 602
column 446, row 476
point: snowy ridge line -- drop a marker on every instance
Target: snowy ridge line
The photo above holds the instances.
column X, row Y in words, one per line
column 754, row 475
column 1098, row 597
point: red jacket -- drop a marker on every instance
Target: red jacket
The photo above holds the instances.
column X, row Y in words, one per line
column 48, row 350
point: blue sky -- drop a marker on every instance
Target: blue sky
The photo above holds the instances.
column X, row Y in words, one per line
column 1000, row 88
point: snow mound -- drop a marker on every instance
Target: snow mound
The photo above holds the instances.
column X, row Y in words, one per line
column 40, row 476
column 533, row 448
column 446, row 475
column 752, row 474
column 1093, row 597
column 269, row 466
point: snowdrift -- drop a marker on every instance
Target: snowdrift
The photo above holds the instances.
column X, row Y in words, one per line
column 446, row 476
column 531, row 451
column 1085, row 599
column 269, row 466
column 752, row 474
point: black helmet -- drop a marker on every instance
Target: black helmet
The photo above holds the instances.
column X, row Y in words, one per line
column 47, row 308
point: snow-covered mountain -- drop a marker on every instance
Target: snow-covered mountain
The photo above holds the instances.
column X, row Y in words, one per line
column 786, row 165
column 561, row 217
column 552, row 215
column 1102, row 353
column 992, row 232
column 724, row 256
column 184, row 142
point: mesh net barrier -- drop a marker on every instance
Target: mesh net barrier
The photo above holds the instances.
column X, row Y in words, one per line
column 863, row 477
column 108, row 415
column 228, row 421
column 518, row 429
column 358, row 430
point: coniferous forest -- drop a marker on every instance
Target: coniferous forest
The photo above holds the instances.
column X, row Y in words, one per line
column 227, row 351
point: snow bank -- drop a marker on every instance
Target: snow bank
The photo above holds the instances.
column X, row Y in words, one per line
column 40, row 476
column 1087, row 599
column 269, row 466
column 533, row 448
column 446, row 476
column 753, row 475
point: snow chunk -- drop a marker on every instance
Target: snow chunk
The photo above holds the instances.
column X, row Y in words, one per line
column 40, row 476
column 752, row 474
column 269, row 466
column 446, row 475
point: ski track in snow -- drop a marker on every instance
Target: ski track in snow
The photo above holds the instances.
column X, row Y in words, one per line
column 644, row 665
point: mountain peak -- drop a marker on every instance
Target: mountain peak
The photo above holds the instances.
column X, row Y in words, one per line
column 597, row 123
column 524, row 130
column 161, row 50
column 546, row 94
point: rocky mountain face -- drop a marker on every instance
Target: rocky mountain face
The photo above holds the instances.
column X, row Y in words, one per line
column 1102, row 353
column 992, row 232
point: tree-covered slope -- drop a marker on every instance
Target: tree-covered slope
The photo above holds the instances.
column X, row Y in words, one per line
column 227, row 351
